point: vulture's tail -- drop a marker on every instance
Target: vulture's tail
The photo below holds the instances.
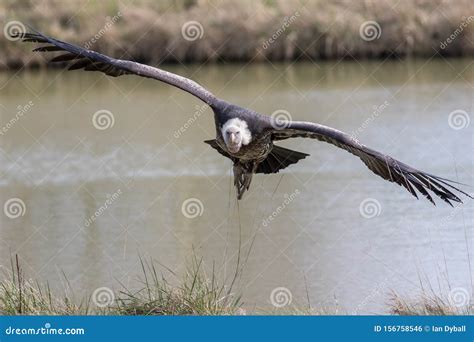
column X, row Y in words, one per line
column 278, row 159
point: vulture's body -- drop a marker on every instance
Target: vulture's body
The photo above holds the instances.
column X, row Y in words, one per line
column 248, row 138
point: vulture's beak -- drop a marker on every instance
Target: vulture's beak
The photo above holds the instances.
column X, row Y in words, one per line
column 233, row 145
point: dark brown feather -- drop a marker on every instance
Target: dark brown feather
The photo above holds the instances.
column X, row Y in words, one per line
column 66, row 57
column 113, row 67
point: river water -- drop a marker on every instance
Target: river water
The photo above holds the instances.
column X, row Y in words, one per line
column 95, row 193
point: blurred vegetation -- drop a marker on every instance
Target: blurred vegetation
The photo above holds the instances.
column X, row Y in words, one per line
column 150, row 31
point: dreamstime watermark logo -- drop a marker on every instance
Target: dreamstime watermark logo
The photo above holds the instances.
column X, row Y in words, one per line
column 108, row 202
column 14, row 208
column 103, row 297
column 459, row 119
column 370, row 208
column 192, row 30
column 21, row 111
column 47, row 329
column 458, row 297
column 287, row 21
column 199, row 110
column 280, row 119
column 13, row 29
column 464, row 23
column 110, row 21
column 377, row 111
column 103, row 119
column 288, row 199
column 370, row 30
column 281, row 297
column 192, row 208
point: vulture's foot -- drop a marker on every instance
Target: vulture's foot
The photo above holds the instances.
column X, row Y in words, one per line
column 242, row 178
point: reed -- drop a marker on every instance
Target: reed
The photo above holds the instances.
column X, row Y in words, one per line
column 151, row 31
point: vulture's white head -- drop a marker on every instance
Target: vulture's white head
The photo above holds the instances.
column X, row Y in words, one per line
column 236, row 133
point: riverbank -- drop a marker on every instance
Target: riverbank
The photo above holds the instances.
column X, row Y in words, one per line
column 206, row 31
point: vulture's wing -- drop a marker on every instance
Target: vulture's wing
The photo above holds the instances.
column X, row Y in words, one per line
column 383, row 165
column 81, row 58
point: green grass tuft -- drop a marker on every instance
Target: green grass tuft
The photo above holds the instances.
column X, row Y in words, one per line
column 197, row 294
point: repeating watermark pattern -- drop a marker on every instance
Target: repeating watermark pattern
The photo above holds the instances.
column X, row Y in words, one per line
column 192, row 30
column 108, row 202
column 14, row 208
column 458, row 297
column 110, row 21
column 464, row 23
column 192, row 208
column 12, row 29
column 377, row 111
column 287, row 22
column 199, row 110
column 459, row 119
column 103, row 297
column 281, row 297
column 370, row 30
column 280, row 119
column 288, row 199
column 241, row 312
column 103, row 119
column 370, row 208
column 21, row 111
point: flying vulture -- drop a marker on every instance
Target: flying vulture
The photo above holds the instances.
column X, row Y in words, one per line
column 247, row 137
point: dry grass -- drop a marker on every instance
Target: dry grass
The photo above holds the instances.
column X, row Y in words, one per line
column 195, row 295
column 150, row 31
column 22, row 296
column 426, row 305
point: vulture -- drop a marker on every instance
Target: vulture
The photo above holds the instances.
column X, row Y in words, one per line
column 248, row 138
